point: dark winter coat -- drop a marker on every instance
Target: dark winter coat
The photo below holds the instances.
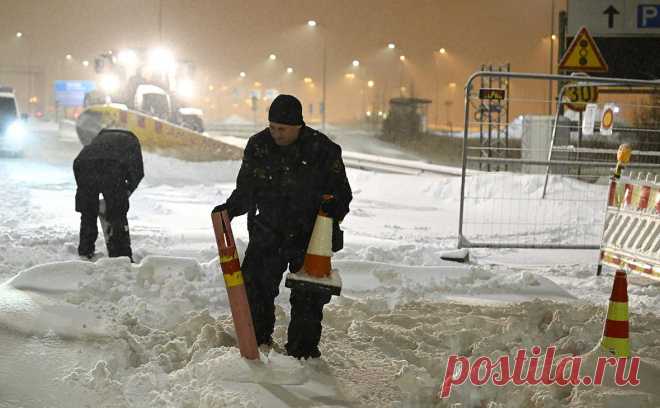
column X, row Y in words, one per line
column 112, row 159
column 280, row 187
column 110, row 165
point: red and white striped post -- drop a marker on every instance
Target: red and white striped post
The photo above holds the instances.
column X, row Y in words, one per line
column 231, row 271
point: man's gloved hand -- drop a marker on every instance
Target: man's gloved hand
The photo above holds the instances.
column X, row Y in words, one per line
column 329, row 206
column 219, row 208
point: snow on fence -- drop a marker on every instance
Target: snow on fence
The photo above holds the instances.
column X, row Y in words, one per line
column 631, row 238
column 545, row 185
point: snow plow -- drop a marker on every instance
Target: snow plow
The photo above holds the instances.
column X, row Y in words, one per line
column 156, row 135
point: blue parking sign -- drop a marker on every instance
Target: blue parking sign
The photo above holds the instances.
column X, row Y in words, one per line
column 648, row 16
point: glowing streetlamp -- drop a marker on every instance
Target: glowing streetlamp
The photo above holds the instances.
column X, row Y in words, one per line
column 314, row 24
column 272, row 57
column 442, row 51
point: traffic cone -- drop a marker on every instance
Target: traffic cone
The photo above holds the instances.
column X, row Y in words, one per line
column 317, row 272
column 616, row 340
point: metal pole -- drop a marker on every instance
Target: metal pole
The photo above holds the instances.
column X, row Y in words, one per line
column 160, row 22
column 468, row 90
column 325, row 67
column 552, row 51
column 579, row 144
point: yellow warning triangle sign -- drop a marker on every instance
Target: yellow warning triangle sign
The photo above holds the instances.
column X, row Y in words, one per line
column 583, row 55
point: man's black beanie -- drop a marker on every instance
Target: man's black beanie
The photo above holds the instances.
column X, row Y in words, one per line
column 286, row 109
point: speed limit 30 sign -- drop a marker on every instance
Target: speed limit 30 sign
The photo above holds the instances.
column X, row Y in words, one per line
column 577, row 96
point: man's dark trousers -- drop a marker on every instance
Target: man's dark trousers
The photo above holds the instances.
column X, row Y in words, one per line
column 263, row 268
column 116, row 202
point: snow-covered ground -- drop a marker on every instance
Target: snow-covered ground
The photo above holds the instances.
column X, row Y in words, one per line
column 159, row 333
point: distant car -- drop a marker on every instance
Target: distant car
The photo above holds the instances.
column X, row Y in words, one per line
column 12, row 126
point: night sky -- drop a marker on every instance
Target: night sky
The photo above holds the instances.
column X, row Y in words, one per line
column 226, row 37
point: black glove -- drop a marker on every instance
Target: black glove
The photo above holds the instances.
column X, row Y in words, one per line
column 329, row 206
column 219, row 208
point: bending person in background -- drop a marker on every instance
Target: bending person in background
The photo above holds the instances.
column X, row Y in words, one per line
column 110, row 165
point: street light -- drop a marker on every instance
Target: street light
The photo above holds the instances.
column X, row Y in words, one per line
column 272, row 57
column 313, row 23
column 442, row 51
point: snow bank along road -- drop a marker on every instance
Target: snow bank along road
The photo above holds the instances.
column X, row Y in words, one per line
column 159, row 334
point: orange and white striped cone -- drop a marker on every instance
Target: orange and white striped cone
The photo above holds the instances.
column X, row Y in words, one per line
column 317, row 272
column 616, row 336
column 231, row 272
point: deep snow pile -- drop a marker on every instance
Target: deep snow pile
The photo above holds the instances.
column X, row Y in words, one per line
column 168, row 336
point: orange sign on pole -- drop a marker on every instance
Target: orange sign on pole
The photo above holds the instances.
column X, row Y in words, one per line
column 583, row 55
column 231, row 271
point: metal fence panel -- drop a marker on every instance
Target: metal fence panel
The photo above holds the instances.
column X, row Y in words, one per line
column 547, row 188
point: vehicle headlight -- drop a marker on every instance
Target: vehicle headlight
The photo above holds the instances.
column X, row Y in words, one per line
column 16, row 131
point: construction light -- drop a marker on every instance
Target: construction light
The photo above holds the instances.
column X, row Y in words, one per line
column 127, row 57
column 186, row 88
column 109, row 83
column 162, row 60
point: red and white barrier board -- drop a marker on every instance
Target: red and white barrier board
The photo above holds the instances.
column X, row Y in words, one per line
column 631, row 238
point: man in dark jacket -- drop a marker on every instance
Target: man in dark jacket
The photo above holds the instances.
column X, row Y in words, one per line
column 286, row 170
column 110, row 165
